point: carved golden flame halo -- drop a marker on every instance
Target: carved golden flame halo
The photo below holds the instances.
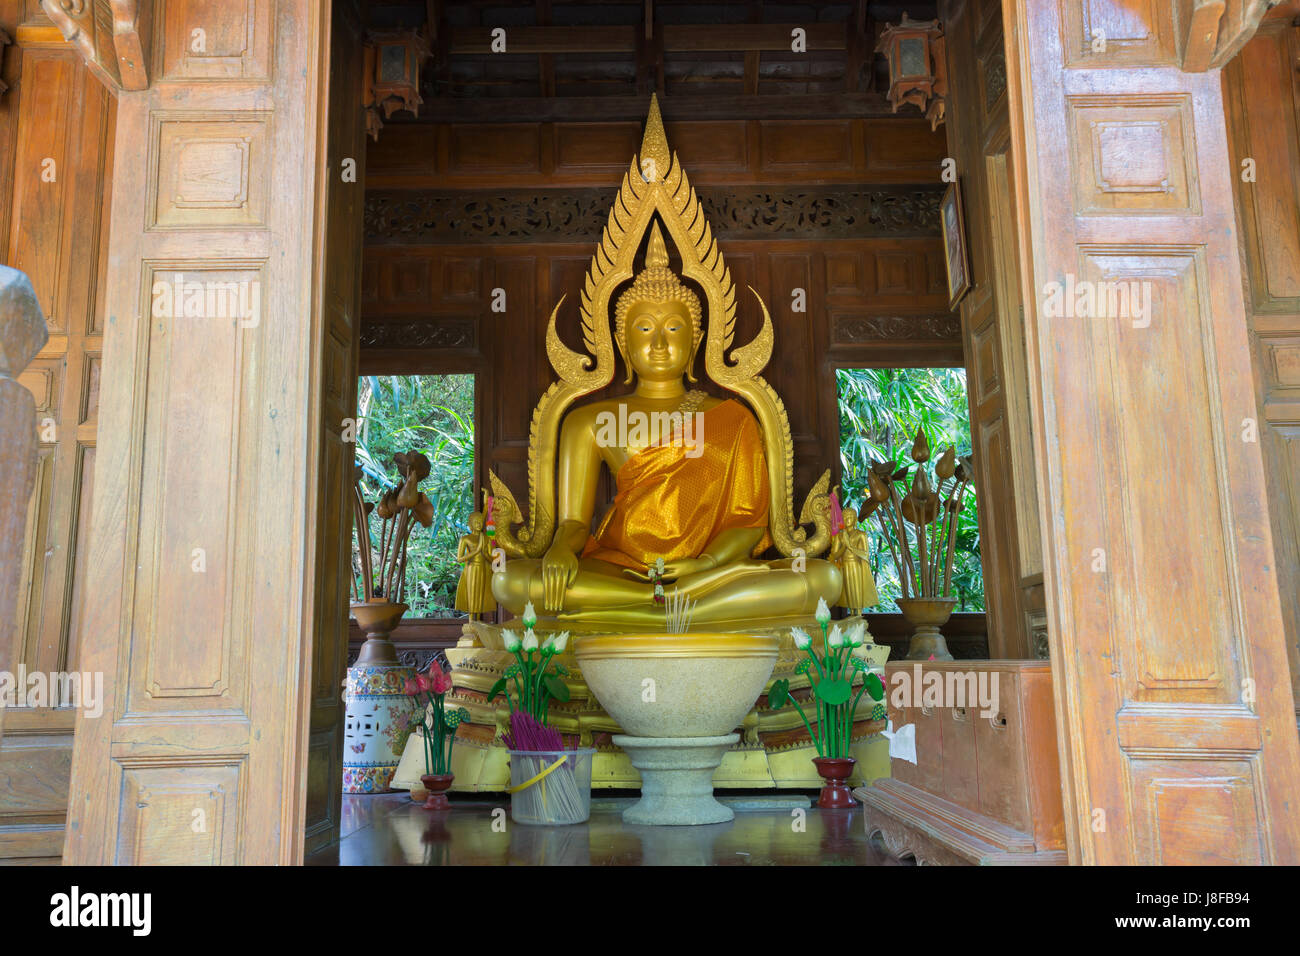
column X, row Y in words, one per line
column 656, row 183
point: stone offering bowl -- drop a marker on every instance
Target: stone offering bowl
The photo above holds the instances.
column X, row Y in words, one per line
column 678, row 697
column 677, row 685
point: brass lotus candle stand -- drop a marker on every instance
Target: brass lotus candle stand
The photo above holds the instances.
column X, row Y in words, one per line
column 378, row 717
column 918, row 515
column 378, row 606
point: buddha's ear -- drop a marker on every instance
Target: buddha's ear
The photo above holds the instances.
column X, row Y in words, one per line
column 626, row 361
column 690, row 366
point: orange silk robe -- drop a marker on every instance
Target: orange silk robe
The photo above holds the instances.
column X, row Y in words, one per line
column 670, row 505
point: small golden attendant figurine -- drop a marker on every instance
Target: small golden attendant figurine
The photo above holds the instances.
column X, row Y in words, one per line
column 474, row 590
column 849, row 550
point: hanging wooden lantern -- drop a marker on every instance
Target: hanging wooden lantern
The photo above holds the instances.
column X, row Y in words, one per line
column 909, row 46
column 937, row 109
column 393, row 61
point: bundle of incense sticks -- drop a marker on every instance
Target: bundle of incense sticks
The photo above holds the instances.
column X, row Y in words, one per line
column 555, row 798
column 527, row 733
column 677, row 612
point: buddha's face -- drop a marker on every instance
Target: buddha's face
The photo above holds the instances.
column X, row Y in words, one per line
column 475, row 521
column 660, row 339
column 850, row 520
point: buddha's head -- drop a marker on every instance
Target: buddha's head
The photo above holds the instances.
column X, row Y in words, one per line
column 475, row 521
column 657, row 321
column 850, row 519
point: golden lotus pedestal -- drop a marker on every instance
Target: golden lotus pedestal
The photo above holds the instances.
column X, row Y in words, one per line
column 773, row 751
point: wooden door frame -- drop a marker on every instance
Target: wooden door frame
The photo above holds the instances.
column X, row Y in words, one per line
column 243, row 748
column 91, row 841
column 1270, row 719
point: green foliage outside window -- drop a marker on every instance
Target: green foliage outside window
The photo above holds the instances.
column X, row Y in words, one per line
column 880, row 411
column 434, row 415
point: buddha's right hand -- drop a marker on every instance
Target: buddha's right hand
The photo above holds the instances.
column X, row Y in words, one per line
column 559, row 568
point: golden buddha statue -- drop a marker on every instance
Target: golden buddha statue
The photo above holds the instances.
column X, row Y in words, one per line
column 709, row 508
column 704, row 483
column 692, row 489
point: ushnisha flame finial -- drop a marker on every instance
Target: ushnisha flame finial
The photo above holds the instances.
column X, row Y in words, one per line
column 656, row 254
column 656, row 158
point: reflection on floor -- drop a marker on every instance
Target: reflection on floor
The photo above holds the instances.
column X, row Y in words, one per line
column 768, row 830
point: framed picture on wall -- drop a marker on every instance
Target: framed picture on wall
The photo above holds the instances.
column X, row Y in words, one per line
column 954, row 244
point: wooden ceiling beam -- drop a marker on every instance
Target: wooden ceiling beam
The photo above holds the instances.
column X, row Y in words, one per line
column 693, row 38
column 747, row 37
column 535, row 40
column 563, row 109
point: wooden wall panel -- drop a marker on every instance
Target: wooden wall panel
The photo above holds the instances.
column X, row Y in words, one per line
column 164, row 804
column 182, row 667
column 228, row 724
column 62, row 124
column 856, row 325
column 477, row 156
column 1261, row 90
column 56, row 81
column 237, row 40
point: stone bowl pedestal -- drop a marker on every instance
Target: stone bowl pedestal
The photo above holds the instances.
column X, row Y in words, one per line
column 676, row 779
column 679, row 697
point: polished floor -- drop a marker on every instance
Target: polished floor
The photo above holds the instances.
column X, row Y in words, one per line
column 769, row 830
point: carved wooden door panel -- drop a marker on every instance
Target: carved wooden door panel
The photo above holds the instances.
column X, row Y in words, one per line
column 1174, row 712
column 222, row 338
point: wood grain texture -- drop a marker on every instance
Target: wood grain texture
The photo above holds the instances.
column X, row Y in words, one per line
column 57, row 220
column 338, row 286
column 469, row 155
column 994, row 352
column 1150, row 629
column 211, row 436
column 986, row 787
column 1261, row 90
